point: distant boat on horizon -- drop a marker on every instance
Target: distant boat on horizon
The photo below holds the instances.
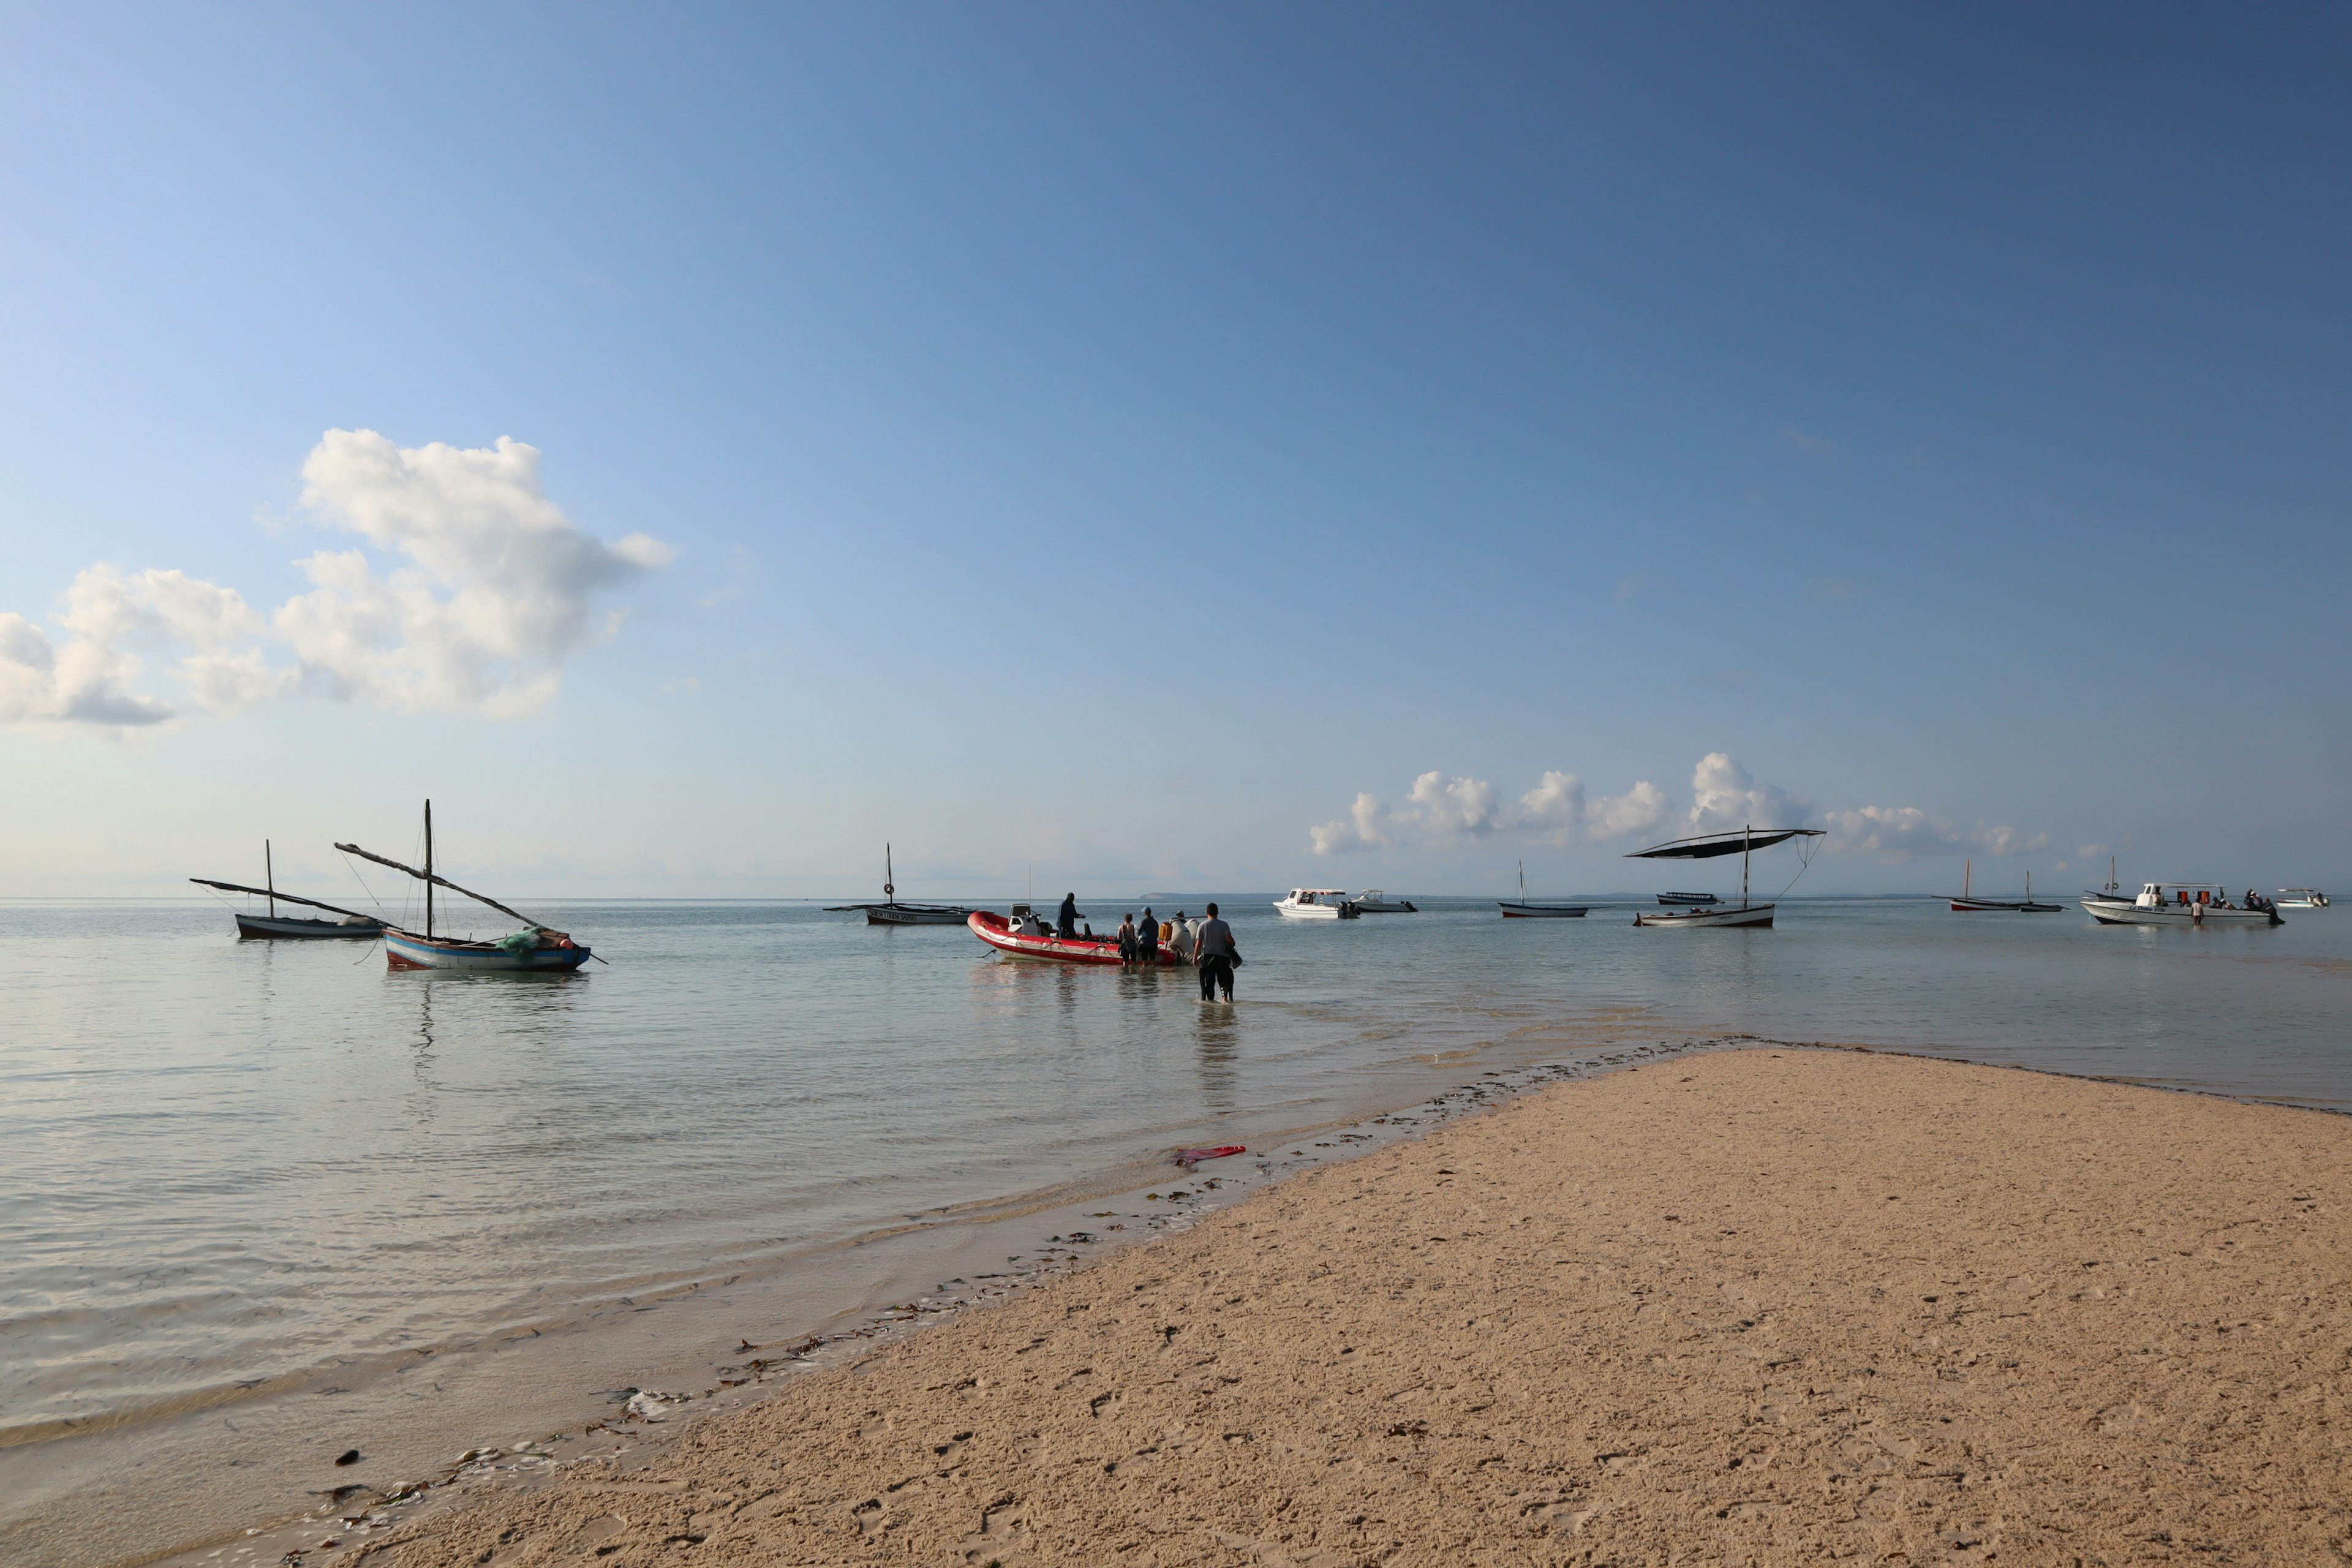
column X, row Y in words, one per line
column 275, row 927
column 1964, row 905
column 1524, row 910
column 892, row 913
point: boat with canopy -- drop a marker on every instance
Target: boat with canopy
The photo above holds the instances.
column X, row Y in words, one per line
column 534, row 949
column 275, row 927
column 890, row 911
column 2177, row 903
column 1524, row 910
column 1710, row 845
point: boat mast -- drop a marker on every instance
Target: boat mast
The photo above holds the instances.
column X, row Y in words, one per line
column 889, row 893
column 1966, row 869
column 428, row 868
column 1745, row 833
column 269, row 879
column 1523, row 882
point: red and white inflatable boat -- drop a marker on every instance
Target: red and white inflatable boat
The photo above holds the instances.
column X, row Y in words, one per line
column 1003, row 935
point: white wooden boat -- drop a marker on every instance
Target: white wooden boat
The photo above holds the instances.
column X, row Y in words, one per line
column 1708, row 847
column 1317, row 904
column 891, row 911
column 2302, row 898
column 534, row 949
column 2176, row 904
column 275, row 927
column 1524, row 910
column 1372, row 902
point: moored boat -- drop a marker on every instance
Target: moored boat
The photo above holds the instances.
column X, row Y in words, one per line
column 2176, row 904
column 1373, row 902
column 534, row 949
column 1708, row 847
column 892, row 911
column 2302, row 898
column 1672, row 900
column 1033, row 937
column 275, row 927
column 1966, row 905
column 1317, row 904
column 1522, row 909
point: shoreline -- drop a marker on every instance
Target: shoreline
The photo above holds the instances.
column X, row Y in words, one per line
column 550, row 1513
column 675, row 1343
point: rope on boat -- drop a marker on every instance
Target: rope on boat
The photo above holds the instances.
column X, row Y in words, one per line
column 1806, row 849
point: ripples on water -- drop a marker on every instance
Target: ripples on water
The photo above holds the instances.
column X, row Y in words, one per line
column 226, row 1164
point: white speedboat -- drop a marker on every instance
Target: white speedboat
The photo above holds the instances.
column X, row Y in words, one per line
column 2176, row 904
column 2302, row 898
column 1318, row 904
column 1708, row 847
column 1372, row 902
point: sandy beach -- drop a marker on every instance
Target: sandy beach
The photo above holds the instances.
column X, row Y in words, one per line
column 1761, row 1306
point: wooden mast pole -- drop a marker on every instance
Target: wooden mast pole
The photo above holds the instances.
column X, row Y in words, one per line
column 428, row 868
column 1745, row 834
column 269, row 879
column 889, row 877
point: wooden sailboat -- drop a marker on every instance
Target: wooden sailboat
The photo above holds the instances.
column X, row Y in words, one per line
column 534, row 947
column 1964, row 904
column 1708, row 846
column 274, row 926
column 892, row 913
column 1524, row 910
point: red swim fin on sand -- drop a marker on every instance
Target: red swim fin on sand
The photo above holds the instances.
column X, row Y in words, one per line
column 1194, row 1156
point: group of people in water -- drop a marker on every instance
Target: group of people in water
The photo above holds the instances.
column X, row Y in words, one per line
column 2219, row 898
column 1206, row 943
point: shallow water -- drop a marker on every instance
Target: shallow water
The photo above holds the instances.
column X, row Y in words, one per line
column 229, row 1170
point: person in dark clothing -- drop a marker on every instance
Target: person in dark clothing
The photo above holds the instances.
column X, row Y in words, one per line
column 1127, row 939
column 1217, row 955
column 1147, row 937
column 1068, row 920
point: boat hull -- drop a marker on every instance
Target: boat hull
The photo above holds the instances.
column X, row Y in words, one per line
column 280, row 928
column 1683, row 920
column 1317, row 911
column 998, row 932
column 914, row 915
column 1403, row 907
column 407, row 950
column 1542, row 911
column 1680, row 900
column 2109, row 913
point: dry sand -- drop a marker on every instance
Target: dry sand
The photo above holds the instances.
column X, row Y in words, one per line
column 1757, row 1307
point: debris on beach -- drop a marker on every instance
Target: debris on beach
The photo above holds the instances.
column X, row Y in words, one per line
column 1188, row 1158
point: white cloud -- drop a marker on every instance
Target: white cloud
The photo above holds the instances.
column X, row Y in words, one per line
column 490, row 591
column 1895, row 834
column 1640, row 810
column 1724, row 797
column 1443, row 809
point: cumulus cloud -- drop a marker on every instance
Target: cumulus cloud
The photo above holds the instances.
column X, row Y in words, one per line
column 1895, row 834
column 488, row 588
column 1441, row 809
column 1723, row 796
column 1559, row 811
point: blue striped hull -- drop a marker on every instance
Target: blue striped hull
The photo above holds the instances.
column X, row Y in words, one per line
column 406, row 950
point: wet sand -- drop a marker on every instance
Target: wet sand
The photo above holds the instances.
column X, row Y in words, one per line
column 1763, row 1306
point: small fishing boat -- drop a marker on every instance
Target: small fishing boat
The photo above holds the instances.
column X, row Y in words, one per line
column 1708, row 847
column 892, row 913
column 1674, row 900
column 1318, row 904
column 1966, row 905
column 2302, row 898
column 1029, row 937
column 1524, row 910
column 2176, row 904
column 1372, row 902
column 533, row 949
column 276, row 926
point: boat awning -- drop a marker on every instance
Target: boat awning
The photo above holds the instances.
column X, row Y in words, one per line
column 1706, row 847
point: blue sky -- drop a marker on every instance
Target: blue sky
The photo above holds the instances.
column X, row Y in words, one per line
column 1116, row 440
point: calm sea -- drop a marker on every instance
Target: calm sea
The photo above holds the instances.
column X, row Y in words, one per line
column 247, row 1190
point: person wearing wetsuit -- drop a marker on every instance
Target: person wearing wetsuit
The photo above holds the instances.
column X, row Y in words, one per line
column 1068, row 919
column 1217, row 956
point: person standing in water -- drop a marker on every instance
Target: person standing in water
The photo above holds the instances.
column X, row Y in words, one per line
column 1216, row 955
